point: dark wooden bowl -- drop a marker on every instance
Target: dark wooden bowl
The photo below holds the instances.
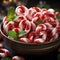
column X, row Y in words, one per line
column 29, row 48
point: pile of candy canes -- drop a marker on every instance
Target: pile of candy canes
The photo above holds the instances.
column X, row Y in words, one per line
column 47, row 30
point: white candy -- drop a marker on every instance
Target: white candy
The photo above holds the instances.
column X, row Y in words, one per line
column 27, row 25
column 39, row 40
column 51, row 10
column 17, row 58
column 5, row 52
column 25, row 40
column 19, row 10
column 6, row 26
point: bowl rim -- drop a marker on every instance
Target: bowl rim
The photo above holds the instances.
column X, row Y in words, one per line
column 49, row 42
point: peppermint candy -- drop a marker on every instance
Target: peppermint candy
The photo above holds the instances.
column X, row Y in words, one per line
column 4, row 52
column 20, row 10
column 17, row 58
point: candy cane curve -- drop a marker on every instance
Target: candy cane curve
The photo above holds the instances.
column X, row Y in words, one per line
column 27, row 25
column 4, row 52
column 17, row 58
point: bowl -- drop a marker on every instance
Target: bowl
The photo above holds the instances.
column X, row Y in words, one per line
column 30, row 48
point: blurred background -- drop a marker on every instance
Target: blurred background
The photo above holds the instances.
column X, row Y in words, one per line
column 6, row 4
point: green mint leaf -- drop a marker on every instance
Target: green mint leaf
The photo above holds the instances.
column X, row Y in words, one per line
column 22, row 33
column 12, row 34
column 58, row 17
column 39, row 22
column 16, row 17
column 11, row 14
column 38, row 6
column 6, row 58
column 46, row 6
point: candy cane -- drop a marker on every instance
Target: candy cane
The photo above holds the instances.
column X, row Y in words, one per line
column 20, row 10
column 40, row 28
column 54, row 33
column 36, row 17
column 47, row 14
column 33, row 26
column 21, row 17
column 16, row 30
column 8, row 26
column 50, row 22
column 42, row 37
column 26, row 25
column 17, row 58
column 31, row 35
column 4, row 52
column 4, row 19
column 30, row 13
column 54, row 37
column 25, row 40
column 39, row 40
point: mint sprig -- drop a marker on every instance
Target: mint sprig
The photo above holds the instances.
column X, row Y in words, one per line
column 12, row 34
column 39, row 22
column 11, row 14
column 22, row 33
column 15, row 35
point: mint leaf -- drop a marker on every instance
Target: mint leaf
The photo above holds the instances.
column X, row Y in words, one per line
column 11, row 14
column 58, row 17
column 16, row 17
column 12, row 34
column 6, row 58
column 22, row 33
column 39, row 22
column 46, row 6
column 38, row 6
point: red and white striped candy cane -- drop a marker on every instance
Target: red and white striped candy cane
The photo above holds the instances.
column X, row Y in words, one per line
column 40, row 27
column 31, row 35
column 25, row 25
column 5, row 19
column 4, row 52
column 8, row 26
column 36, row 17
column 25, row 40
column 49, row 26
column 39, row 40
column 50, row 22
column 17, row 58
column 21, row 17
column 20, row 10
column 30, row 13
column 17, row 30
column 33, row 26
column 47, row 14
column 42, row 37
column 41, row 32
column 54, row 37
column 54, row 34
